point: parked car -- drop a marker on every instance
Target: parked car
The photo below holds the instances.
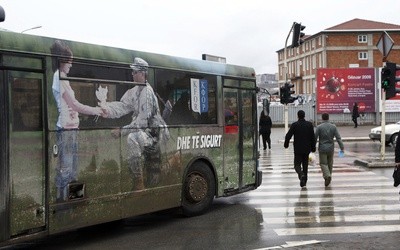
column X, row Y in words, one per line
column 391, row 133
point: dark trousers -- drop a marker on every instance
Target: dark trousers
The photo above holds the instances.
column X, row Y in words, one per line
column 301, row 159
column 355, row 121
column 266, row 138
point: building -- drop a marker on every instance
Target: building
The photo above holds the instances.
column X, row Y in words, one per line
column 346, row 45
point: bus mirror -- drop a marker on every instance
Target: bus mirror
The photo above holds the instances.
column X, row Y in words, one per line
column 2, row 14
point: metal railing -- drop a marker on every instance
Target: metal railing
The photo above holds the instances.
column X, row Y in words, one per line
column 278, row 119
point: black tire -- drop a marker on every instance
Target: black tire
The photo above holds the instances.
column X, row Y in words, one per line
column 198, row 189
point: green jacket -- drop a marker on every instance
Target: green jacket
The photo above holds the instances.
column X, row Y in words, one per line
column 326, row 132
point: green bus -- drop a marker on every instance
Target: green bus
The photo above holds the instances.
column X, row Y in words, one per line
column 91, row 134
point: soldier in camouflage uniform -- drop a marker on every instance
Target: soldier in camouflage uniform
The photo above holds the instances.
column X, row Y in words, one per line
column 147, row 131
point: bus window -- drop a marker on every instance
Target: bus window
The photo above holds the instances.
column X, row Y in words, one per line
column 27, row 104
column 185, row 98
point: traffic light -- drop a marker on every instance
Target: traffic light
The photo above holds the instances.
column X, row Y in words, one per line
column 282, row 95
column 297, row 37
column 266, row 105
column 289, row 92
column 389, row 79
column 285, row 93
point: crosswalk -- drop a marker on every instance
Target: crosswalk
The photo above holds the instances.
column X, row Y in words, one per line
column 357, row 200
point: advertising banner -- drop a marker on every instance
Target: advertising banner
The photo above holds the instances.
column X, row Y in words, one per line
column 338, row 90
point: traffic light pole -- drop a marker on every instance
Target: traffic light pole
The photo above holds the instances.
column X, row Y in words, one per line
column 286, row 77
column 383, row 119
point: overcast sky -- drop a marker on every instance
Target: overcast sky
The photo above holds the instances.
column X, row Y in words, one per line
column 246, row 32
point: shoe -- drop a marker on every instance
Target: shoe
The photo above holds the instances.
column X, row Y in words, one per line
column 303, row 181
column 328, row 181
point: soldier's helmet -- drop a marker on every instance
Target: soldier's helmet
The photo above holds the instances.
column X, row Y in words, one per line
column 139, row 64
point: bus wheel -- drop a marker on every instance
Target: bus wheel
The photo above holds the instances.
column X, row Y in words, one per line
column 198, row 189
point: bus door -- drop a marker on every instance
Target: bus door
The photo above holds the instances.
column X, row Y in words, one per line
column 231, row 141
column 22, row 169
column 239, row 136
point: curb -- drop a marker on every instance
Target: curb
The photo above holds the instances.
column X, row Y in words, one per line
column 375, row 164
column 355, row 139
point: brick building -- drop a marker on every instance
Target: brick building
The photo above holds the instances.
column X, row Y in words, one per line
column 346, row 45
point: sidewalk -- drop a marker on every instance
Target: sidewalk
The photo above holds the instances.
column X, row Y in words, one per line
column 349, row 133
column 359, row 134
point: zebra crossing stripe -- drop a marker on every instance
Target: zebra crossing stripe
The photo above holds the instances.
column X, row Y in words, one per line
column 337, row 230
column 260, row 193
column 294, row 244
column 330, row 209
column 336, row 219
column 284, row 180
column 336, row 185
column 336, row 199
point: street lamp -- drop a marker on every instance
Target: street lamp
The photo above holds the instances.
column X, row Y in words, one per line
column 36, row 27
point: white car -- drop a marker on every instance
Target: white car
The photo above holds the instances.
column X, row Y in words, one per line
column 391, row 133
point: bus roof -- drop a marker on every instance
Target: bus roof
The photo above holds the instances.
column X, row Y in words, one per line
column 25, row 43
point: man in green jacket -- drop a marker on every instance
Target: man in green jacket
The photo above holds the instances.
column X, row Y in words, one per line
column 326, row 132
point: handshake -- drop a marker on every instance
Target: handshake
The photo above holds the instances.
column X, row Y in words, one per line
column 101, row 110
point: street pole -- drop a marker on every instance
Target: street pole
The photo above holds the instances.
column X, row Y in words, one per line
column 286, row 77
column 383, row 119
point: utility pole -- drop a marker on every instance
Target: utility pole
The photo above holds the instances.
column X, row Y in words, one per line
column 285, row 71
column 297, row 40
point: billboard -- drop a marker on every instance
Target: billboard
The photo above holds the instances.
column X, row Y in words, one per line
column 338, row 89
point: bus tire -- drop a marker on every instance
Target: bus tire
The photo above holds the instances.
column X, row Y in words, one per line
column 198, row 189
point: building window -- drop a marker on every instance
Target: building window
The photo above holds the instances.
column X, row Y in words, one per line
column 362, row 38
column 320, row 60
column 362, row 56
column 314, row 61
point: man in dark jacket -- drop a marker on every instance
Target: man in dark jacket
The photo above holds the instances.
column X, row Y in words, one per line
column 303, row 143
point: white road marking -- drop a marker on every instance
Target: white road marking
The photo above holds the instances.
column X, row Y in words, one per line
column 337, row 230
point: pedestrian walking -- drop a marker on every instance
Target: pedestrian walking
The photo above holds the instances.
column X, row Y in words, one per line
column 326, row 132
column 355, row 114
column 303, row 143
column 265, row 129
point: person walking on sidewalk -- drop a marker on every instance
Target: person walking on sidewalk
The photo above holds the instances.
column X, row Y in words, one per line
column 265, row 129
column 326, row 132
column 355, row 114
column 303, row 143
